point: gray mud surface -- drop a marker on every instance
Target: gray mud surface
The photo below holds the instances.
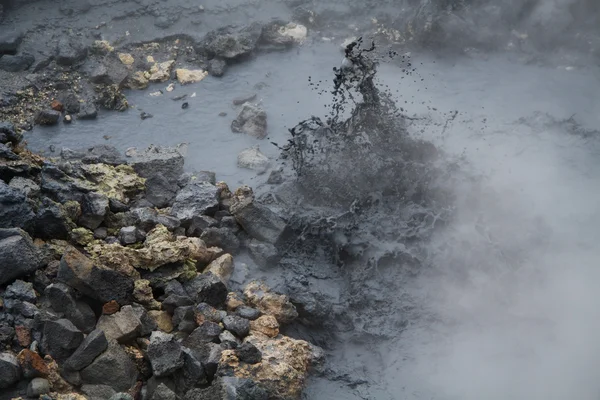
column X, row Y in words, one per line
column 485, row 292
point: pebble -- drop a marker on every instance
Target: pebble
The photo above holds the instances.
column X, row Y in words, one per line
column 185, row 105
column 145, row 115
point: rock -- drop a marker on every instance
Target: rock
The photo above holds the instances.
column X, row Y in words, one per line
column 9, row 134
column 117, row 206
column 20, row 290
column 259, row 221
column 94, row 207
column 137, row 81
column 101, row 47
column 87, row 111
column 204, row 333
column 165, row 354
column 100, row 283
column 82, row 236
column 230, row 43
column 205, row 312
column 281, row 35
column 207, row 288
column 199, row 224
column 263, row 254
column 78, row 312
column 52, row 221
column 247, row 312
column 10, row 371
column 92, row 346
column 238, row 325
column 220, row 237
column 32, row 365
column 27, row 186
column 238, row 101
column 253, row 159
column 185, row 76
column 162, row 392
column 23, row 335
column 266, row 324
column 119, row 182
column 252, row 120
column 126, row 58
column 98, row 392
column 228, row 340
column 61, row 338
column 16, row 63
column 38, row 387
column 15, row 211
column 192, row 374
column 131, row 235
column 158, row 160
column 160, row 191
column 277, row 305
column 196, row 198
column 104, row 154
column 101, row 233
column 47, row 117
column 222, row 267
column 161, row 72
column 69, row 52
column 18, row 255
column 163, row 320
column 10, row 41
column 113, row 368
column 209, row 354
column 148, row 323
column 217, row 67
column 184, row 319
column 122, row 326
column 174, row 301
column 148, row 218
column 248, row 353
column 142, row 293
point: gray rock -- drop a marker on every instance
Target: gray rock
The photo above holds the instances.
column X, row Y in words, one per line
column 252, row 120
column 7, row 332
column 192, row 373
column 27, row 186
column 162, row 392
column 148, row 324
column 92, row 346
column 243, row 388
column 166, row 161
column 221, row 237
column 7, row 153
column 100, row 283
column 174, row 301
column 10, row 41
column 248, row 353
column 102, row 74
column 184, row 319
column 217, row 67
column 263, row 254
column 113, row 368
column 69, row 52
column 87, row 111
column 47, row 117
column 197, row 198
column 117, row 206
column 94, row 207
column 61, row 338
column 10, row 371
column 38, row 387
column 230, row 43
column 160, row 191
column 131, row 235
column 248, row 312
column 8, row 133
column 121, row 396
column 228, row 340
column 15, row 211
column 206, row 332
column 238, row 325
column 104, row 154
column 122, row 326
column 70, row 102
column 260, row 222
column 252, row 158
column 52, row 221
column 18, row 255
column 209, row 354
column 98, row 392
column 148, row 218
column 20, row 290
column 58, row 186
column 199, row 224
column 16, row 63
column 206, row 312
column 62, row 301
column 165, row 354
column 207, row 288
column 101, row 233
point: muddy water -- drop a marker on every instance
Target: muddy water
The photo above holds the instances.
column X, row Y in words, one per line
column 483, row 332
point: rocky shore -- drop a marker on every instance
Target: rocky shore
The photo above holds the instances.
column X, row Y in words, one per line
column 115, row 282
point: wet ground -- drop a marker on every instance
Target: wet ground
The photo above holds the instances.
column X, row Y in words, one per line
column 508, row 306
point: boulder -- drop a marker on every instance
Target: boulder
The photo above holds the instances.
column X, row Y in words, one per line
column 231, row 43
column 18, row 255
column 207, row 288
column 92, row 346
column 252, row 120
column 165, row 354
column 196, row 198
column 253, row 159
column 94, row 207
column 61, row 338
column 260, row 296
column 52, row 221
column 15, row 210
column 113, row 368
column 185, row 76
column 16, row 63
column 259, row 221
column 122, row 326
column 98, row 282
column 10, row 371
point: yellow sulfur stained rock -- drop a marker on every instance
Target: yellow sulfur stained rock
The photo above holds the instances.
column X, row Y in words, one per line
column 260, row 296
column 102, row 47
column 265, row 324
column 284, row 367
column 185, row 76
column 162, row 319
column 82, row 236
column 120, row 182
column 222, row 267
column 161, row 72
column 138, row 81
column 126, row 58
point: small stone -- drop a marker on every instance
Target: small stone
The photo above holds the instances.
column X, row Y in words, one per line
column 266, row 324
column 248, row 353
column 205, row 312
column 61, row 338
column 251, row 120
column 68, row 119
column 222, row 267
column 122, row 326
column 248, row 312
column 234, row 300
column 185, row 76
column 204, row 333
column 131, row 235
column 207, row 288
column 161, row 72
column 113, row 368
column 23, row 335
column 162, row 319
column 228, row 340
column 238, row 101
column 47, row 117
column 10, row 371
column 137, row 81
column 32, row 364
column 165, row 354
column 184, row 319
column 238, row 325
column 38, row 387
column 253, row 159
column 92, row 346
column 82, row 236
column 56, row 105
column 110, row 308
column 126, row 58
column 185, row 105
column 217, row 67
